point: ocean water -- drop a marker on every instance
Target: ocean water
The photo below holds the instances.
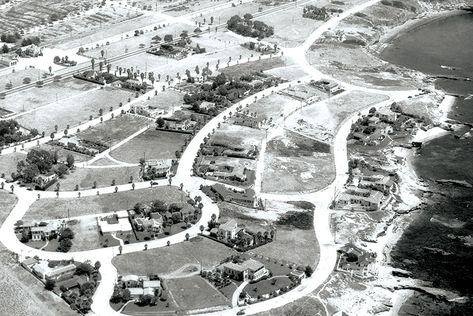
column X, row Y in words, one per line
column 438, row 246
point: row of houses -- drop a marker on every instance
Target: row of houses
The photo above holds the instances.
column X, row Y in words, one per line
column 140, row 285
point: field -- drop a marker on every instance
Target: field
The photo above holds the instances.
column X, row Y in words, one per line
column 235, row 135
column 75, row 110
column 195, row 293
column 273, row 107
column 152, row 144
column 221, row 16
column 253, row 66
column 87, row 237
column 166, row 260
column 289, row 72
column 321, row 120
column 165, row 102
column 218, row 40
column 133, row 43
column 16, row 78
column 113, row 131
column 57, row 208
column 8, row 163
column 62, row 153
column 7, row 202
column 85, row 177
column 223, row 161
column 57, row 91
column 290, row 28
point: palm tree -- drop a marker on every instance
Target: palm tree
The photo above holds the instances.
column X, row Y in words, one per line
column 187, row 236
column 92, row 61
column 201, row 229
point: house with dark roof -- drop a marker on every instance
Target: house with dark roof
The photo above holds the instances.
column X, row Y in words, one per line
column 249, row 269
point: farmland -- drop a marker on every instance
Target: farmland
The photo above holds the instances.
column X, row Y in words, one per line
column 57, row 91
column 115, row 130
column 152, row 144
column 75, row 110
column 57, row 208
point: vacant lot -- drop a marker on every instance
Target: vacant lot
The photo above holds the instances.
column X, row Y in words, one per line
column 85, row 177
column 17, row 77
column 218, row 40
column 152, row 144
column 8, row 163
column 114, row 131
column 165, row 260
column 195, row 293
column 165, row 102
column 253, row 66
column 289, row 72
column 321, row 120
column 236, row 135
column 274, row 107
column 49, row 94
column 57, row 208
column 75, row 110
column 7, row 202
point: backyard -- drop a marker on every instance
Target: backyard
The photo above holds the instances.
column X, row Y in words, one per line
column 152, row 144
column 44, row 209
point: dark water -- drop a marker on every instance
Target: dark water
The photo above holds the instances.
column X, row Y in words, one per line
column 437, row 247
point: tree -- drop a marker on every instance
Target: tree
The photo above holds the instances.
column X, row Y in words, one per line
column 25, row 236
column 5, row 49
column 247, row 16
column 97, row 265
column 187, row 236
column 308, row 271
column 168, row 38
column 50, row 284
column 29, row 172
column 41, row 158
column 64, row 245
column 84, row 268
column 66, row 233
column 61, row 170
column 92, row 61
column 197, row 70
column 201, row 229
column 70, row 160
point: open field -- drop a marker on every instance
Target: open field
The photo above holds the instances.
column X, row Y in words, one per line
column 134, row 42
column 229, row 161
column 199, row 250
column 57, row 208
column 289, row 72
column 152, row 144
column 113, row 131
column 290, row 28
column 195, row 293
column 221, row 16
column 8, row 163
column 321, row 120
column 236, row 135
column 16, row 78
column 90, row 28
column 7, row 202
column 254, row 66
column 218, row 40
column 75, row 110
column 85, row 178
column 49, row 94
column 273, row 107
column 165, row 102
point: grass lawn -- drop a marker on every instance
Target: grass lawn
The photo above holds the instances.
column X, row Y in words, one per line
column 44, row 209
column 8, row 163
column 75, row 110
column 85, row 178
column 113, row 131
column 267, row 286
column 195, row 293
column 16, row 78
column 199, row 250
column 253, row 66
column 152, row 144
column 7, row 202
column 36, row 97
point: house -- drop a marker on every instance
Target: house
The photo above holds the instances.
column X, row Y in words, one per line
column 303, row 93
column 297, row 275
column 131, row 280
column 149, row 224
column 161, row 166
column 353, row 198
column 154, row 284
column 30, row 51
column 42, row 181
column 327, row 86
column 245, row 197
column 205, row 105
column 29, row 263
column 44, row 232
column 247, row 270
column 136, row 292
column 56, row 273
column 377, row 182
column 8, row 60
column 117, row 222
column 66, row 285
column 387, row 115
column 228, row 230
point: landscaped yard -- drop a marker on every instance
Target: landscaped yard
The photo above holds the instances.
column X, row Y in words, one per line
column 113, row 131
column 161, row 261
column 152, row 144
column 58, row 208
column 75, row 110
column 85, row 177
column 49, row 94
column 195, row 293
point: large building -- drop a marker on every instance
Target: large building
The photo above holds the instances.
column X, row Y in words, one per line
column 248, row 270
